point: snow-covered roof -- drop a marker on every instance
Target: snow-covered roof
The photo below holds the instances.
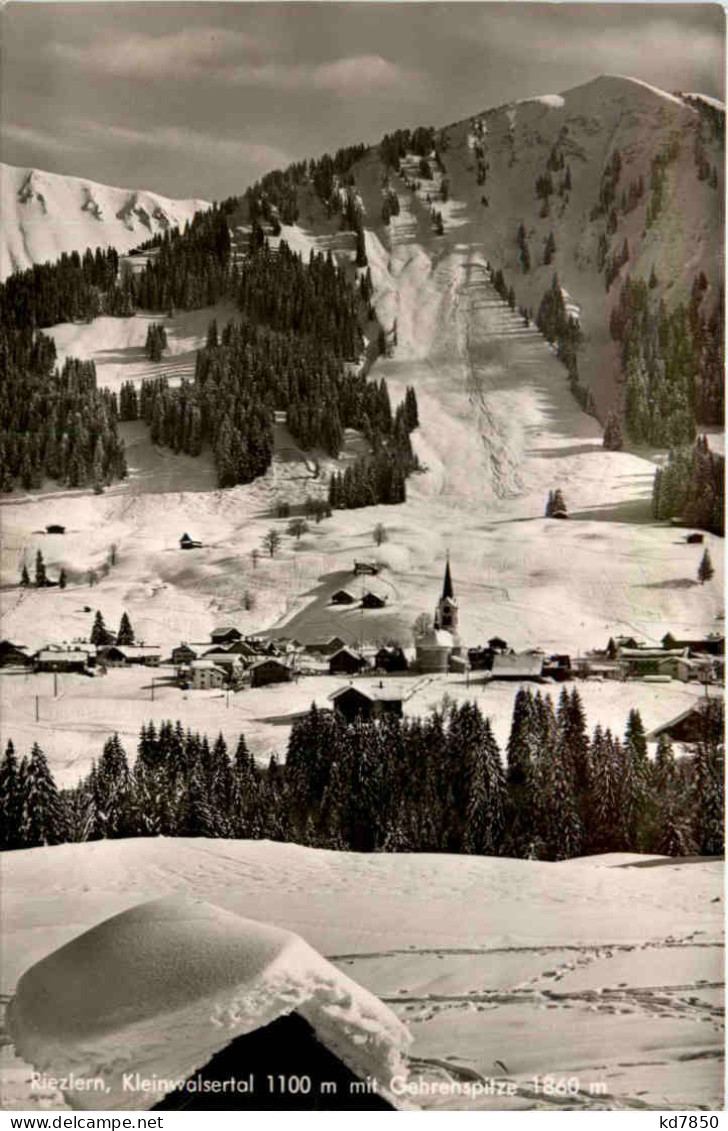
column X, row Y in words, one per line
column 435, row 638
column 162, row 987
column 379, row 694
column 651, row 653
column 269, row 660
column 205, row 665
column 135, row 650
column 62, row 655
column 526, row 664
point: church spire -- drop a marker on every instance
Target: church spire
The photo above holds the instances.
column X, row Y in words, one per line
column 447, row 589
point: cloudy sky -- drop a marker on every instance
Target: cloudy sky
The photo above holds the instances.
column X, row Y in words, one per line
column 198, row 99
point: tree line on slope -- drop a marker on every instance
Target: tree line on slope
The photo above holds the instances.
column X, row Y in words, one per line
column 394, row 785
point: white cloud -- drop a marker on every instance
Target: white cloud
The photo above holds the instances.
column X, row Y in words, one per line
column 179, row 55
column 231, row 57
column 39, row 139
column 358, row 74
column 361, row 74
column 184, row 140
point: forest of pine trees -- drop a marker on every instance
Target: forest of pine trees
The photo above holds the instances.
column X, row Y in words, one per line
column 54, row 423
column 75, row 288
column 691, row 487
column 247, row 373
column 561, row 329
column 380, row 477
column 672, row 362
column 437, row 784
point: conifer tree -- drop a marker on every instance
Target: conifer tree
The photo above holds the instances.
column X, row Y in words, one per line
column 197, row 817
column 705, row 569
column 613, row 433
column 24, row 576
column 125, row 635
column 709, row 772
column 113, row 801
column 560, row 830
column 42, row 812
column 62, row 579
column 604, row 818
column 40, row 571
column 99, row 633
column 11, row 800
column 521, row 831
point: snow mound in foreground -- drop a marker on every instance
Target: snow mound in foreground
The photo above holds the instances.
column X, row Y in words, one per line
column 161, row 988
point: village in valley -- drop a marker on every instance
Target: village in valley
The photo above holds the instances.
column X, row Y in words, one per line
column 274, row 678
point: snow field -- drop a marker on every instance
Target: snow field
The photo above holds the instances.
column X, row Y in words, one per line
column 609, row 969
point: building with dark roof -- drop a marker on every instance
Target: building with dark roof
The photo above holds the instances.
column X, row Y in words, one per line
column 367, row 702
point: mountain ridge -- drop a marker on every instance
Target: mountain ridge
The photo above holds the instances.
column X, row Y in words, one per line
column 46, row 214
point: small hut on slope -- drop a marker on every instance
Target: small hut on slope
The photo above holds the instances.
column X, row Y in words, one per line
column 169, row 1000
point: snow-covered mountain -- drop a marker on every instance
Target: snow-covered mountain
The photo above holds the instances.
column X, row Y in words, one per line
column 45, row 214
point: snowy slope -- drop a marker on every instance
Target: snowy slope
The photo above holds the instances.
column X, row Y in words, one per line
column 45, row 214
column 161, row 988
column 609, row 969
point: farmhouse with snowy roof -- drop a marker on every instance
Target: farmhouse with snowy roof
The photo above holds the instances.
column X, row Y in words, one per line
column 205, row 674
column 367, row 702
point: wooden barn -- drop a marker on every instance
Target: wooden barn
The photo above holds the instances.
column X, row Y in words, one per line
column 183, row 654
column 13, row 655
column 55, row 528
column 325, row 647
column 366, row 567
column 226, row 634
column 346, row 662
column 269, row 670
column 701, row 722
column 372, row 600
column 343, row 597
column 187, row 543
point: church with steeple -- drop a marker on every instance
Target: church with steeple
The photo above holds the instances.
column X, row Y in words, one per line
column 436, row 645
